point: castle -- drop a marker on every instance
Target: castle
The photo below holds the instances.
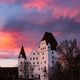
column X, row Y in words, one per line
column 41, row 59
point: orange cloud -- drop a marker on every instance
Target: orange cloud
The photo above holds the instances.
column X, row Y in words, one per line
column 11, row 42
column 6, row 41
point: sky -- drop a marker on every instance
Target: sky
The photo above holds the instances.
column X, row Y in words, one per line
column 23, row 22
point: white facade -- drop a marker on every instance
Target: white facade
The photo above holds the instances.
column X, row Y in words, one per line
column 21, row 69
column 41, row 59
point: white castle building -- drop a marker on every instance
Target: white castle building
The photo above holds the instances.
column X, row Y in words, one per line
column 41, row 59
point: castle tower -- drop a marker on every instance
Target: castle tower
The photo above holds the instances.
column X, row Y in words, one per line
column 21, row 64
column 47, row 51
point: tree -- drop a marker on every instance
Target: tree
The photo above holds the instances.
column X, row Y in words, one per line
column 55, row 73
column 70, row 59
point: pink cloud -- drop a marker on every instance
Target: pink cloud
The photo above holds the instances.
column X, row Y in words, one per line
column 38, row 4
column 56, row 8
column 57, row 34
column 11, row 42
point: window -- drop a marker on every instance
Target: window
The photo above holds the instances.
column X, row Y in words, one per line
column 52, row 61
column 44, row 61
column 52, row 67
column 44, row 70
column 52, row 52
column 36, row 58
column 33, row 58
column 30, row 58
column 32, row 69
column 42, row 53
column 33, row 62
column 33, row 53
column 38, row 68
column 45, row 75
column 21, row 63
column 44, row 47
column 39, row 76
column 42, row 57
column 37, row 62
column 32, row 75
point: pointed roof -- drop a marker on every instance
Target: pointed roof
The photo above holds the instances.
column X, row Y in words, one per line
column 22, row 53
column 49, row 38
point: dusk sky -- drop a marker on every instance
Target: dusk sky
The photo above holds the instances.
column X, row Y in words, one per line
column 23, row 22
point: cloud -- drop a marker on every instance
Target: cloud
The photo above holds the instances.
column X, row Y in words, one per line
column 25, row 21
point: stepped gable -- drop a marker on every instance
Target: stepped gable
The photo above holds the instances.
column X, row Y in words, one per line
column 22, row 53
column 49, row 38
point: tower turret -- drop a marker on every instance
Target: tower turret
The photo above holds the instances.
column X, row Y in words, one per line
column 21, row 64
column 47, row 52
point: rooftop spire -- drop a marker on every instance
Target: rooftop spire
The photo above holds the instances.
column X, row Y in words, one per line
column 49, row 38
column 22, row 53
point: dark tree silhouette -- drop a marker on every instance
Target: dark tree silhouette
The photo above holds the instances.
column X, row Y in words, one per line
column 55, row 73
column 70, row 59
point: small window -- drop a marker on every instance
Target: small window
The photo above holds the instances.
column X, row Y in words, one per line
column 42, row 57
column 42, row 53
column 33, row 53
column 38, row 68
column 52, row 67
column 44, row 47
column 27, row 63
column 33, row 58
column 36, row 58
column 39, row 76
column 32, row 75
column 45, row 75
column 52, row 52
column 52, row 61
column 44, row 61
column 30, row 58
column 21, row 63
column 33, row 62
column 37, row 62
